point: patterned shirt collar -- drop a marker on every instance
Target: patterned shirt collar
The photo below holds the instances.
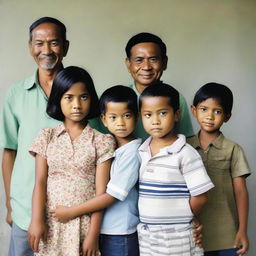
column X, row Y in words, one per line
column 60, row 129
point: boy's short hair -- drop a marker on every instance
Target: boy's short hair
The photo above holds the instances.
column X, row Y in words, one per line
column 42, row 20
column 160, row 89
column 119, row 93
column 145, row 37
column 64, row 80
column 216, row 91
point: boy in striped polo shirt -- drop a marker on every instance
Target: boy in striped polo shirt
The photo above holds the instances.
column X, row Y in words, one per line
column 173, row 181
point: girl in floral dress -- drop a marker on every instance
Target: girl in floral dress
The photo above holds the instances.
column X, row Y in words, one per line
column 72, row 166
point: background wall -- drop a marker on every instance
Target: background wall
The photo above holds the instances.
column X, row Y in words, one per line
column 207, row 40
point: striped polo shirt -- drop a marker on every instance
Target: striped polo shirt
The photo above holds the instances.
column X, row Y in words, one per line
column 168, row 180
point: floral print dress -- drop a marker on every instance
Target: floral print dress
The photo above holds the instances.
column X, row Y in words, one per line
column 71, row 181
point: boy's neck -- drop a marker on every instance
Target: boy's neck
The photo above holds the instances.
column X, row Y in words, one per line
column 206, row 138
column 123, row 141
column 157, row 144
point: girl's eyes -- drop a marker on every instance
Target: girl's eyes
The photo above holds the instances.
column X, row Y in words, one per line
column 85, row 97
column 68, row 97
column 147, row 115
column 202, row 109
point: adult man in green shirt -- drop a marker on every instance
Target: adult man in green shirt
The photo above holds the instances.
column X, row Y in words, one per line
column 23, row 116
column 146, row 60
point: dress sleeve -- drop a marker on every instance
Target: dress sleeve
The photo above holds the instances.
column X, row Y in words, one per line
column 195, row 175
column 40, row 143
column 9, row 125
column 105, row 145
column 125, row 175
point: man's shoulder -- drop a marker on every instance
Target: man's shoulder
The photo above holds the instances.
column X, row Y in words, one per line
column 19, row 86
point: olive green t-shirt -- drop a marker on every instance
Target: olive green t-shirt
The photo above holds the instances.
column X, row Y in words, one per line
column 224, row 160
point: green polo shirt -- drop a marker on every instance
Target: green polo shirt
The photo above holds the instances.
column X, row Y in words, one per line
column 223, row 160
column 23, row 116
column 184, row 126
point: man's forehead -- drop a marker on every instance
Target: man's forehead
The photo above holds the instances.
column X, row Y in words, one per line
column 46, row 29
column 150, row 48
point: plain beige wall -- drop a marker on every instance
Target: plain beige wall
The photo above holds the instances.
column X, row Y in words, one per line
column 207, row 40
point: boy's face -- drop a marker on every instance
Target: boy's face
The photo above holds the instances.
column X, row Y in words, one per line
column 158, row 117
column 119, row 119
column 210, row 115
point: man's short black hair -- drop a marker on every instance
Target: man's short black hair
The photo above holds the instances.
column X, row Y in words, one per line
column 119, row 93
column 42, row 20
column 145, row 37
column 64, row 80
column 160, row 89
column 216, row 91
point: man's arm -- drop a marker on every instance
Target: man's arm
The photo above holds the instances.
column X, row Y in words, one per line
column 8, row 160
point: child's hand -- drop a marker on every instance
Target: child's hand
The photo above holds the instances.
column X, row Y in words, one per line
column 62, row 213
column 197, row 232
column 241, row 238
column 91, row 246
column 36, row 231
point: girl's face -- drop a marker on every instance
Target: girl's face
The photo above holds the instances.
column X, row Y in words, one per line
column 75, row 103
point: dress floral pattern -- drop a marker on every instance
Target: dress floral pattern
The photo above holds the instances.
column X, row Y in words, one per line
column 71, row 181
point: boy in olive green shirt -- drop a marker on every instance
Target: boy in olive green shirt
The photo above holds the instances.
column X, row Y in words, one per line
column 225, row 215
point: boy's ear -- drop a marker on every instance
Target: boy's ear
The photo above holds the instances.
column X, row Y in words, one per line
column 193, row 110
column 103, row 119
column 177, row 115
column 227, row 117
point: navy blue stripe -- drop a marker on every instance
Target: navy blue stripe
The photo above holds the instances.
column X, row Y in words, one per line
column 162, row 191
column 162, row 185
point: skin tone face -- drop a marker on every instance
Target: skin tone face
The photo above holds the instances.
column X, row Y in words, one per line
column 75, row 104
column 159, row 119
column 47, row 46
column 210, row 116
column 146, row 64
column 120, row 121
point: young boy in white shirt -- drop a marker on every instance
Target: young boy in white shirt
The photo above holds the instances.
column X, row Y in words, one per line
column 173, row 180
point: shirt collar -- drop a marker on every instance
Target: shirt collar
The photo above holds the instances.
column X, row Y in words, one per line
column 175, row 147
column 120, row 150
column 60, row 129
column 31, row 81
column 217, row 143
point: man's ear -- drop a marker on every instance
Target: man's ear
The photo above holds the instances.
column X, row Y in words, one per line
column 30, row 46
column 177, row 115
column 66, row 47
column 165, row 61
column 227, row 117
column 127, row 63
column 193, row 110
column 103, row 119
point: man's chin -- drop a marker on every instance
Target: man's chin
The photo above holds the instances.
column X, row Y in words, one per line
column 48, row 67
